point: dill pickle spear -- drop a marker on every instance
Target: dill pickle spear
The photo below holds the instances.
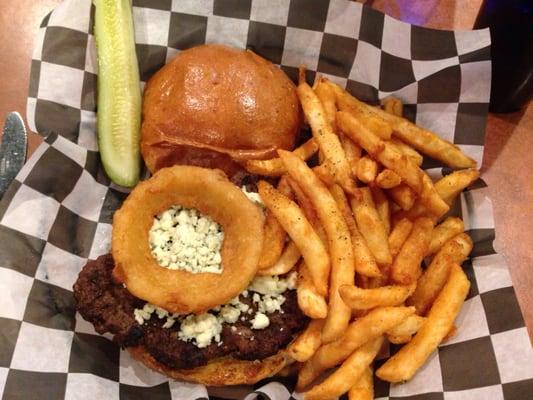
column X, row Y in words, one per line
column 119, row 93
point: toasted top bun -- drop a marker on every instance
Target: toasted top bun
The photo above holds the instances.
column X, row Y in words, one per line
column 221, row 371
column 214, row 107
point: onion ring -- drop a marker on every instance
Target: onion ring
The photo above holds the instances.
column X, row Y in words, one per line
column 210, row 192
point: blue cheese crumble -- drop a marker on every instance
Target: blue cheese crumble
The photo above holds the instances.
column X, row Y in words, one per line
column 183, row 238
column 202, row 330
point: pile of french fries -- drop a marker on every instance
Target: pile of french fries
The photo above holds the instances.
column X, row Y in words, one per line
column 358, row 228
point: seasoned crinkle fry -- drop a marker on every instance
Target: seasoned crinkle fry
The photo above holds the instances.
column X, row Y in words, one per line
column 364, row 388
column 293, row 220
column 327, row 140
column 421, row 139
column 348, row 374
column 310, row 301
column 286, row 262
column 367, row 169
column 371, row 226
column 385, row 296
column 380, row 150
column 399, row 235
column 339, row 242
column 388, row 179
column 307, row 343
column 403, row 196
column 364, row 329
column 365, row 263
column 406, row 267
column 274, row 166
column 392, row 105
column 404, row 364
column 445, row 231
column 455, row 251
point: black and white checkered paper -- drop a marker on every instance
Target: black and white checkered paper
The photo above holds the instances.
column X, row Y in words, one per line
column 57, row 213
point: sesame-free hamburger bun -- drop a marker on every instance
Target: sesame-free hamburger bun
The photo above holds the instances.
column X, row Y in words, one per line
column 215, row 106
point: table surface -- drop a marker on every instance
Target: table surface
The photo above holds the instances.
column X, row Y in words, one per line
column 507, row 162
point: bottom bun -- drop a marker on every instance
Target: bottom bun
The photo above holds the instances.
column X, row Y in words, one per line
column 219, row 372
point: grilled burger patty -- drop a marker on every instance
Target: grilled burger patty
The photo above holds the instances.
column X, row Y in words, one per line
column 110, row 308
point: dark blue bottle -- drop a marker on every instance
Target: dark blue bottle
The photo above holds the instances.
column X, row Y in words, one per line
column 511, row 28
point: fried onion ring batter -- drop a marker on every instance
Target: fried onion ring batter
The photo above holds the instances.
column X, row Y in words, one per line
column 210, row 192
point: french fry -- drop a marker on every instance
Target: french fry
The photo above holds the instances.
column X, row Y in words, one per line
column 392, row 105
column 385, row 296
column 325, row 94
column 402, row 195
column 399, row 235
column 447, row 188
column 339, row 242
column 289, row 370
column 367, row 328
column 388, row 179
column 274, row 166
column 455, row 251
column 443, row 232
column 293, row 220
column 451, row 333
column 381, row 150
column 348, row 374
column 380, row 128
column 406, row 267
column 288, row 259
column 323, row 173
column 382, row 207
column 367, row 169
column 309, row 210
column 404, row 364
column 421, row 139
column 273, row 241
column 371, row 226
column 308, row 342
column 310, row 301
column 352, row 151
column 431, row 199
column 409, row 326
column 327, row 140
column 365, row 263
column 364, row 388
column 301, row 74
column 274, row 234
column 451, row 185
column 408, row 151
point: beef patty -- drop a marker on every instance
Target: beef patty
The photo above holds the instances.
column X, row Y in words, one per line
column 109, row 307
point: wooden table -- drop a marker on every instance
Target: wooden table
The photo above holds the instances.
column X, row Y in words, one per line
column 507, row 163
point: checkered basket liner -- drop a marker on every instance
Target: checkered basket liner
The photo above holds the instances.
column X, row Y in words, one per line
column 57, row 213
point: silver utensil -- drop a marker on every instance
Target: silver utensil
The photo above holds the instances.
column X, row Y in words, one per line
column 12, row 150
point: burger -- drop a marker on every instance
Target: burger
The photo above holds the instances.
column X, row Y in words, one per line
column 217, row 107
column 180, row 289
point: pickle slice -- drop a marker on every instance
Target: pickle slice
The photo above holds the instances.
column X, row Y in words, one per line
column 119, row 93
